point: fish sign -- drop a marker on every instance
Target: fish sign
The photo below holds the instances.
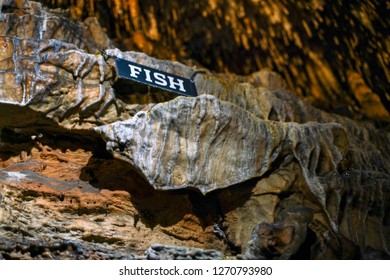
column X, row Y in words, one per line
column 155, row 78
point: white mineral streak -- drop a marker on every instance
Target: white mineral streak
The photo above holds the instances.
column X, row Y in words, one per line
column 13, row 177
column 43, row 27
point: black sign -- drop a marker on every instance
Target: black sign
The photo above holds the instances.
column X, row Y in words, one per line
column 153, row 77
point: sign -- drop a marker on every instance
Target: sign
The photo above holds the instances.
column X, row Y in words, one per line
column 155, row 78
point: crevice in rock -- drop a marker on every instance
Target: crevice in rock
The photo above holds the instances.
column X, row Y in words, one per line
column 304, row 252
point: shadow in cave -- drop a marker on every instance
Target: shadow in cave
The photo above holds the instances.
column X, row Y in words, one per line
column 305, row 250
column 102, row 171
column 14, row 140
column 153, row 207
column 13, row 143
column 164, row 208
column 212, row 208
column 131, row 92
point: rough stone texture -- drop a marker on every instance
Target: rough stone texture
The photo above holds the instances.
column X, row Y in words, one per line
column 28, row 249
column 313, row 44
column 52, row 195
column 221, row 171
column 36, row 21
column 280, row 240
column 43, row 75
column 208, row 144
column 162, row 252
column 60, row 250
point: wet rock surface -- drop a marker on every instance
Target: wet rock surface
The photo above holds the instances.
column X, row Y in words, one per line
column 95, row 167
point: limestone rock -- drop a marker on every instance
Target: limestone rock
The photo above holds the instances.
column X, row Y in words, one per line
column 233, row 159
column 312, row 44
column 162, row 252
column 56, row 80
column 280, row 240
column 208, row 144
column 49, row 195
column 244, row 210
column 265, row 131
column 26, row 249
column 38, row 22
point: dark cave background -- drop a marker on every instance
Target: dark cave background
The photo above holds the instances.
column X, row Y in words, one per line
column 315, row 45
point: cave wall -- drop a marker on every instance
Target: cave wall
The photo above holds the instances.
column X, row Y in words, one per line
column 334, row 53
column 94, row 168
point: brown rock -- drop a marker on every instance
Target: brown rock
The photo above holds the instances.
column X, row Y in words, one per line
column 370, row 103
column 49, row 83
column 208, row 144
column 311, row 44
column 234, row 158
column 279, row 240
column 116, row 212
column 38, row 22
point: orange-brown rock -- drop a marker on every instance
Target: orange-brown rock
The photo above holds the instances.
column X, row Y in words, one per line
column 369, row 102
column 236, row 169
column 311, row 44
column 44, row 198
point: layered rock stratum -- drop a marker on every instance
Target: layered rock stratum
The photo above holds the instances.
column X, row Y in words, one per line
column 97, row 167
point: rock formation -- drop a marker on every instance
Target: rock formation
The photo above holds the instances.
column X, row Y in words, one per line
column 95, row 166
column 313, row 45
column 280, row 240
